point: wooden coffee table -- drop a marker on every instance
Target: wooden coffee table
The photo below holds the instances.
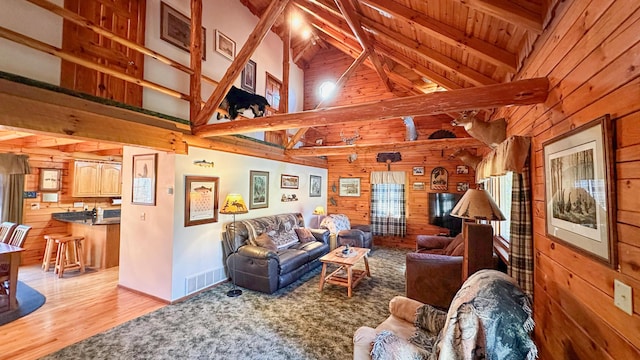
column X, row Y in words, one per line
column 344, row 263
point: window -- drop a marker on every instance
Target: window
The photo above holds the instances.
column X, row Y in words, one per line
column 500, row 189
column 388, row 209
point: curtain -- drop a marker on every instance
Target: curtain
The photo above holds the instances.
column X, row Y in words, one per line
column 521, row 235
column 12, row 170
column 388, row 215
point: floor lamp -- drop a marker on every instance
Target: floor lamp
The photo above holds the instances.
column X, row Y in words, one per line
column 233, row 204
column 477, row 204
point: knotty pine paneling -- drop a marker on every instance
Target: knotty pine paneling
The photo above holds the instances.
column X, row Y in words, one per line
column 590, row 53
column 40, row 219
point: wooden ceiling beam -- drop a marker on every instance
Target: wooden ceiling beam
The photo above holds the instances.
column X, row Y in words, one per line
column 325, row 17
column 423, row 145
column 276, row 7
column 522, row 92
column 353, row 19
column 427, row 54
column 510, row 12
column 447, row 34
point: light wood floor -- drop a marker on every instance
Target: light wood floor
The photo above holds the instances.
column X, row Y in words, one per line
column 77, row 307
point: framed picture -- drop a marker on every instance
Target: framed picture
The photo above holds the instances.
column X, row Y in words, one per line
column 418, row 170
column 272, row 91
column 50, row 180
column 462, row 169
column 200, row 200
column 315, row 186
column 248, row 82
column 419, row 186
column 258, row 189
column 579, row 189
column 143, row 190
column 439, row 179
column 349, row 187
column 225, row 46
column 462, row 186
column 175, row 28
column 289, row 181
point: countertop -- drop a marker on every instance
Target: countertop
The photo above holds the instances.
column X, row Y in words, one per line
column 110, row 217
column 98, row 221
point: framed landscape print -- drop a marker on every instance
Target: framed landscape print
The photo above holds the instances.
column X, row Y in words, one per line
column 225, row 46
column 50, row 180
column 418, row 170
column 315, row 186
column 289, row 181
column 143, row 190
column 580, row 189
column 259, row 189
column 201, row 200
column 175, row 28
column 349, row 187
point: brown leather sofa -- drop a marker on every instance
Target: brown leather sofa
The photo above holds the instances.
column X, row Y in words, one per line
column 434, row 271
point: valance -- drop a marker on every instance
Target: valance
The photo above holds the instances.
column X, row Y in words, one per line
column 510, row 155
column 388, row 177
column 14, row 164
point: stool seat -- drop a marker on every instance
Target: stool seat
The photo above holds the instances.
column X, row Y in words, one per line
column 49, row 247
column 63, row 261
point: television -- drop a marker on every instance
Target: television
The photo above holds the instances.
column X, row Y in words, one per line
column 440, row 206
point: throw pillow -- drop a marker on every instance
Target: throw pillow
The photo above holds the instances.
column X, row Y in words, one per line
column 452, row 245
column 305, row 235
column 458, row 251
column 265, row 241
column 388, row 346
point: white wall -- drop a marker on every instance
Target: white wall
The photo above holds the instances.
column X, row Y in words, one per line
column 158, row 253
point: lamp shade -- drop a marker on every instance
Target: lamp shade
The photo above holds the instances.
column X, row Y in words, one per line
column 234, row 204
column 477, row 205
column 319, row 210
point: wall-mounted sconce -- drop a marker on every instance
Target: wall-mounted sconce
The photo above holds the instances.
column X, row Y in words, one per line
column 203, row 163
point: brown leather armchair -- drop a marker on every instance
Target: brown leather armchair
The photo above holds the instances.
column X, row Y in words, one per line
column 434, row 271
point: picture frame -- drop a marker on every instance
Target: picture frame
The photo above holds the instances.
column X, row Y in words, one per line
column 439, row 178
column 349, row 187
column 462, row 169
column 272, row 91
column 248, row 77
column 580, row 190
column 289, row 181
column 200, row 200
column 418, row 170
column 50, row 180
column 462, row 186
column 175, row 28
column 225, row 46
column 315, row 186
column 418, row 186
column 143, row 188
column 258, row 189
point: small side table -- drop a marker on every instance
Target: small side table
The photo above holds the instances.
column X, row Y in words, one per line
column 346, row 263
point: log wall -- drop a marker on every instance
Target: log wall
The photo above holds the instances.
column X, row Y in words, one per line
column 591, row 54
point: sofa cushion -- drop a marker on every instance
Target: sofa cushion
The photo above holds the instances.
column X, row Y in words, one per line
column 284, row 239
column 265, row 241
column 304, row 235
column 458, row 251
column 453, row 244
column 315, row 249
column 291, row 259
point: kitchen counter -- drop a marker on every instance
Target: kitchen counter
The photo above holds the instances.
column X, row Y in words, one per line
column 98, row 221
column 110, row 217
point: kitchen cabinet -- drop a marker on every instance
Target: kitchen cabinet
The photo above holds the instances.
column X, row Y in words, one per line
column 101, row 244
column 96, row 179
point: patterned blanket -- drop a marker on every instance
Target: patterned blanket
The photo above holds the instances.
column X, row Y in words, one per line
column 281, row 229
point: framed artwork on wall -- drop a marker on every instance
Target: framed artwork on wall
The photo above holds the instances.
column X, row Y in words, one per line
column 315, row 186
column 439, row 179
column 349, row 187
column 175, row 28
column 248, row 82
column 258, row 189
column 418, row 170
column 580, row 189
column 462, row 169
column 225, row 46
column 289, row 181
column 200, row 200
column 50, row 180
column 143, row 191
column 418, row 186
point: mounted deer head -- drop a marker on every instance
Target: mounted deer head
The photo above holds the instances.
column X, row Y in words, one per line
column 351, row 140
column 491, row 133
column 467, row 158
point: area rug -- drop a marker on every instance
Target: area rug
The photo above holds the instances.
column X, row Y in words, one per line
column 297, row 322
column 29, row 300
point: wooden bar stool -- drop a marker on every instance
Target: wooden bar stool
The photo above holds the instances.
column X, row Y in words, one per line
column 49, row 247
column 63, row 262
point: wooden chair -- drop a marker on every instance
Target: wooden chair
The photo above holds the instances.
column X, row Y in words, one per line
column 6, row 229
column 17, row 239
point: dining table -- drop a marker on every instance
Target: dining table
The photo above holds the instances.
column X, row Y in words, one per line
column 10, row 255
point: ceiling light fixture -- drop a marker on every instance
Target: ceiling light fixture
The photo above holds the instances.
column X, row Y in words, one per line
column 326, row 89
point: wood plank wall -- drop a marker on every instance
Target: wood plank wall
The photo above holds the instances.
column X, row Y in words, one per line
column 40, row 219
column 362, row 87
column 591, row 54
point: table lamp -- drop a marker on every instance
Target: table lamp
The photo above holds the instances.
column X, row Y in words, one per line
column 318, row 211
column 478, row 205
column 233, row 204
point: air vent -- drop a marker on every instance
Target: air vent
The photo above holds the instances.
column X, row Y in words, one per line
column 200, row 281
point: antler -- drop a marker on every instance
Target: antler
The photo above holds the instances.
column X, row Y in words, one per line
column 351, row 140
